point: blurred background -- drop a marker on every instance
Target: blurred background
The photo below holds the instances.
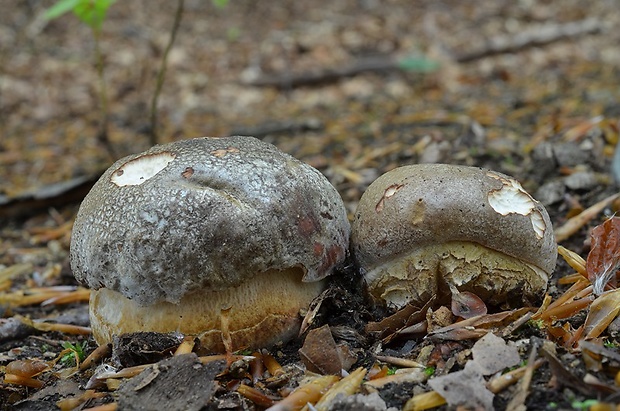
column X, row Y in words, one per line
column 353, row 87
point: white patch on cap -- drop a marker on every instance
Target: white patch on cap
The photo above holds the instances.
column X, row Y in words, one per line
column 138, row 170
column 512, row 198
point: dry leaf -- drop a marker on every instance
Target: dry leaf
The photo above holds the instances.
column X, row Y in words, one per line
column 604, row 258
column 322, row 355
column 467, row 305
column 403, row 318
column 602, row 312
column 477, row 326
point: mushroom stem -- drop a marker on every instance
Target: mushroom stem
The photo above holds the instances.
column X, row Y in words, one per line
column 247, row 323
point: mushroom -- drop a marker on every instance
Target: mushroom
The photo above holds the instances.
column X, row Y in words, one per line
column 429, row 230
column 174, row 238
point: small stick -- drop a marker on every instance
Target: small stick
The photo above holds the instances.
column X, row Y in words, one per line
column 99, row 353
column 424, row 401
column 501, row 382
column 255, row 396
column 186, row 347
column 400, row 362
column 308, row 393
column 105, row 407
column 571, row 226
column 272, row 365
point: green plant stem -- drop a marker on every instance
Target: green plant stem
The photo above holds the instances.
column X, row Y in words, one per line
column 161, row 75
column 103, row 135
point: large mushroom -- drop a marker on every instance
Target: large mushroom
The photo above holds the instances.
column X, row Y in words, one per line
column 425, row 231
column 171, row 238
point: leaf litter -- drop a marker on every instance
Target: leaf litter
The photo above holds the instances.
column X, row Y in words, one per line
column 510, row 112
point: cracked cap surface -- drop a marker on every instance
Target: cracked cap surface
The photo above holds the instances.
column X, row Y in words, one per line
column 206, row 213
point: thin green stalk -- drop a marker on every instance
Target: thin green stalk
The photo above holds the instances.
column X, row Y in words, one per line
column 162, row 72
column 103, row 135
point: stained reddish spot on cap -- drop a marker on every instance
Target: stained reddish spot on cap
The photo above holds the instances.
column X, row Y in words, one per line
column 331, row 257
column 318, row 249
column 120, row 172
column 307, row 225
column 188, row 172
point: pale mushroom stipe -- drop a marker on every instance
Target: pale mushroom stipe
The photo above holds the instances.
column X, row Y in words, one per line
column 421, row 231
column 169, row 238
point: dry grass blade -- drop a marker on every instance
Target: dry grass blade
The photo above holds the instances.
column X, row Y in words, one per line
column 45, row 234
column 72, row 403
column 570, row 279
column 63, row 328
column 218, row 357
column 574, row 260
column 517, row 402
column 405, row 317
column 81, row 294
column 99, row 353
column 349, row 385
column 105, row 407
column 577, row 289
column 186, row 347
column 13, row 271
column 503, row 381
column 125, row 372
column 308, row 393
column 255, row 396
column 574, row 224
column 311, row 314
column 273, row 366
column 566, row 310
column 45, row 295
column 478, row 326
column 416, row 375
column 400, row 362
column 424, row 401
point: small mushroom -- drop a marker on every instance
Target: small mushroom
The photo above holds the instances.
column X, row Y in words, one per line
column 174, row 238
column 421, row 231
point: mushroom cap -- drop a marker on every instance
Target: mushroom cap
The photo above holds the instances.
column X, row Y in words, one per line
column 420, row 228
column 206, row 214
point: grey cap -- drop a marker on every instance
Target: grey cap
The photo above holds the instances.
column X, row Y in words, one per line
column 206, row 213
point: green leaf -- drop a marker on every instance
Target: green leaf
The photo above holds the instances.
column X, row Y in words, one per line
column 220, row 4
column 60, row 8
column 92, row 12
column 418, row 64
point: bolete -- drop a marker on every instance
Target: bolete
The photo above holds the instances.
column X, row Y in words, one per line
column 169, row 238
column 422, row 231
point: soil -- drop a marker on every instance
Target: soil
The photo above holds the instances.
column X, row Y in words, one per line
column 526, row 88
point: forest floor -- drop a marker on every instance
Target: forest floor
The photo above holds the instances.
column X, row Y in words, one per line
column 353, row 88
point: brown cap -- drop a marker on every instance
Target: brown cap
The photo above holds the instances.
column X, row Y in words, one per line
column 426, row 224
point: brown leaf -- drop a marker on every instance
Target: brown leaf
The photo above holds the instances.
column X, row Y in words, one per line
column 604, row 258
column 602, row 312
column 467, row 305
column 403, row 318
column 477, row 326
column 322, row 355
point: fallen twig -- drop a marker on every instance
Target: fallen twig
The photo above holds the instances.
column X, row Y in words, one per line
column 533, row 37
